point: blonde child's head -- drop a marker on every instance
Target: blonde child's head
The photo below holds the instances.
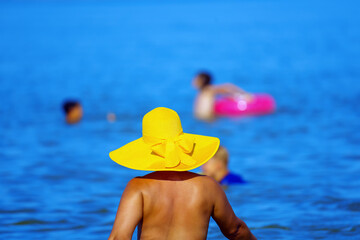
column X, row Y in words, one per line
column 222, row 156
column 217, row 164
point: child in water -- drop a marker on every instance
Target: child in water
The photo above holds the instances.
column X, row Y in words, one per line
column 171, row 203
column 205, row 100
column 73, row 111
column 217, row 168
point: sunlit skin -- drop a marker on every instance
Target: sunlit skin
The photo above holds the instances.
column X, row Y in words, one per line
column 74, row 115
column 205, row 100
column 215, row 168
column 173, row 206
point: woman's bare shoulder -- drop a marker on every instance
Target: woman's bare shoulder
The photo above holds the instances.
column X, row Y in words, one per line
column 208, row 182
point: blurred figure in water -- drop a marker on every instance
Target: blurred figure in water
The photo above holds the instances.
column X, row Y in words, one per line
column 73, row 111
column 217, row 168
column 205, row 100
column 111, row 117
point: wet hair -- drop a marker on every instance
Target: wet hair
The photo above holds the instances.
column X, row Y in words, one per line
column 222, row 155
column 205, row 78
column 68, row 105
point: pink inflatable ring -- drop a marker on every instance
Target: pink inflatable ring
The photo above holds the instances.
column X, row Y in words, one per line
column 261, row 103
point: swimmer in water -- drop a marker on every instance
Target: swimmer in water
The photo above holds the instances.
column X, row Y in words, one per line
column 205, row 100
column 171, row 203
column 73, row 111
column 217, row 168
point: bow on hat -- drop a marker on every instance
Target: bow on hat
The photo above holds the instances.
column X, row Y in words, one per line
column 174, row 150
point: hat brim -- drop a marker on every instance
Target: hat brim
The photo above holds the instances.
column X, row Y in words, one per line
column 139, row 156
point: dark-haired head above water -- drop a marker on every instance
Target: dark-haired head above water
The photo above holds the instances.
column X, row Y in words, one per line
column 73, row 111
column 202, row 79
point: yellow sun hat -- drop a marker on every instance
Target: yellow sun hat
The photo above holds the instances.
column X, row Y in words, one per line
column 164, row 146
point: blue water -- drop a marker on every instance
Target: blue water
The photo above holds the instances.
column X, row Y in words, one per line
column 302, row 163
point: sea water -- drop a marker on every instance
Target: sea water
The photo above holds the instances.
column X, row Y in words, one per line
column 302, row 162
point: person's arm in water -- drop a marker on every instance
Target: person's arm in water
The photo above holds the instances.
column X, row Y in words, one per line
column 230, row 89
column 230, row 225
column 129, row 212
